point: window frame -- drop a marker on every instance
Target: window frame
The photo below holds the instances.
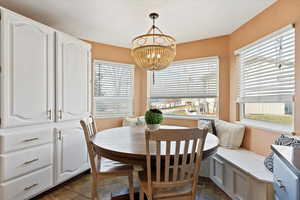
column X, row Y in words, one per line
column 131, row 98
column 260, row 124
column 268, row 126
column 192, row 117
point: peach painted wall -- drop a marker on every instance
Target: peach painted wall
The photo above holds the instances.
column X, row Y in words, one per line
column 280, row 14
column 118, row 54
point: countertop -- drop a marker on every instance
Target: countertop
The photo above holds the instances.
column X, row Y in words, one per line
column 289, row 155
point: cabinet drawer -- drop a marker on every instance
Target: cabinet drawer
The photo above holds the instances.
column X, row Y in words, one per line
column 18, row 163
column 286, row 183
column 241, row 185
column 17, row 140
column 27, row 186
column 217, row 171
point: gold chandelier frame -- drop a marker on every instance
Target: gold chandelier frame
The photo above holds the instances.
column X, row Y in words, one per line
column 153, row 51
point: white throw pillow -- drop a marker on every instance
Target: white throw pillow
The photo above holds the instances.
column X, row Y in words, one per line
column 130, row 121
column 230, row 134
column 134, row 121
column 141, row 121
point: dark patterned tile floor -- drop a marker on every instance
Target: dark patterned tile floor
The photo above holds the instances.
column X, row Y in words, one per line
column 79, row 189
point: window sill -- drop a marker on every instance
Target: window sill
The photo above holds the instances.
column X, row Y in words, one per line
column 198, row 117
column 109, row 117
column 267, row 126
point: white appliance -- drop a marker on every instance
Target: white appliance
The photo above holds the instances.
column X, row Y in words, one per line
column 286, row 173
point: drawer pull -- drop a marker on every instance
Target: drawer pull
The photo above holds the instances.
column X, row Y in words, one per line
column 59, row 135
column 30, row 187
column 30, row 161
column 281, row 186
column 50, row 114
column 31, row 139
column 60, row 114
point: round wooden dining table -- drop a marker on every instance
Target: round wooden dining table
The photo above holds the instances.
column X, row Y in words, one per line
column 128, row 144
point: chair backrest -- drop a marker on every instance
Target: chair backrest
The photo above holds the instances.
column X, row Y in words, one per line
column 178, row 155
column 90, row 130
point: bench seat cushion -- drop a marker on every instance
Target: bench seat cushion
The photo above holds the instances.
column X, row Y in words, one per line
column 247, row 161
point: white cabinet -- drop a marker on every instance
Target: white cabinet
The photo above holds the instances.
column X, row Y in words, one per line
column 22, row 138
column 221, row 173
column 71, row 153
column 45, row 84
column 241, row 174
column 21, row 162
column 241, row 185
column 73, row 79
column 27, row 61
column 27, row 186
column 217, row 171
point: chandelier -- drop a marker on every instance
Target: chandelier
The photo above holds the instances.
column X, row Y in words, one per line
column 153, row 50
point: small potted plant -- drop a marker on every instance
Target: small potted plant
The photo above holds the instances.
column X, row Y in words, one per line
column 153, row 118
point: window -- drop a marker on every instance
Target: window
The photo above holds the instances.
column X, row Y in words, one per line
column 113, row 89
column 267, row 79
column 187, row 87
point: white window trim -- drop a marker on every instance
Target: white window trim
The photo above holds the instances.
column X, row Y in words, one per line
column 191, row 117
column 97, row 61
column 259, row 124
column 265, row 38
column 267, row 126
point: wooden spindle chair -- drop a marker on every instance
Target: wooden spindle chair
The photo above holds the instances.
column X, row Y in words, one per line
column 174, row 172
column 102, row 168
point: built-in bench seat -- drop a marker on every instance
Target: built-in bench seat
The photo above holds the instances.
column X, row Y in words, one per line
column 241, row 174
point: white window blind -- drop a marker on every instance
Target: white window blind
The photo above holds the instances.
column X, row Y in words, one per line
column 195, row 78
column 267, row 69
column 113, row 89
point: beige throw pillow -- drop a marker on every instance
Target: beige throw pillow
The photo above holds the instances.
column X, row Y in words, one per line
column 230, row 134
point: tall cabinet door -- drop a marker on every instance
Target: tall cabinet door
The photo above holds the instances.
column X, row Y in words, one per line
column 71, row 153
column 27, row 78
column 73, row 77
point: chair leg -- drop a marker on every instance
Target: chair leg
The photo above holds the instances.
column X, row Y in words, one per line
column 94, row 189
column 141, row 194
column 131, row 187
column 194, row 192
column 193, row 196
column 149, row 197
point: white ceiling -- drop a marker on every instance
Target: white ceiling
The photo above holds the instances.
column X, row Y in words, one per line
column 116, row 22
